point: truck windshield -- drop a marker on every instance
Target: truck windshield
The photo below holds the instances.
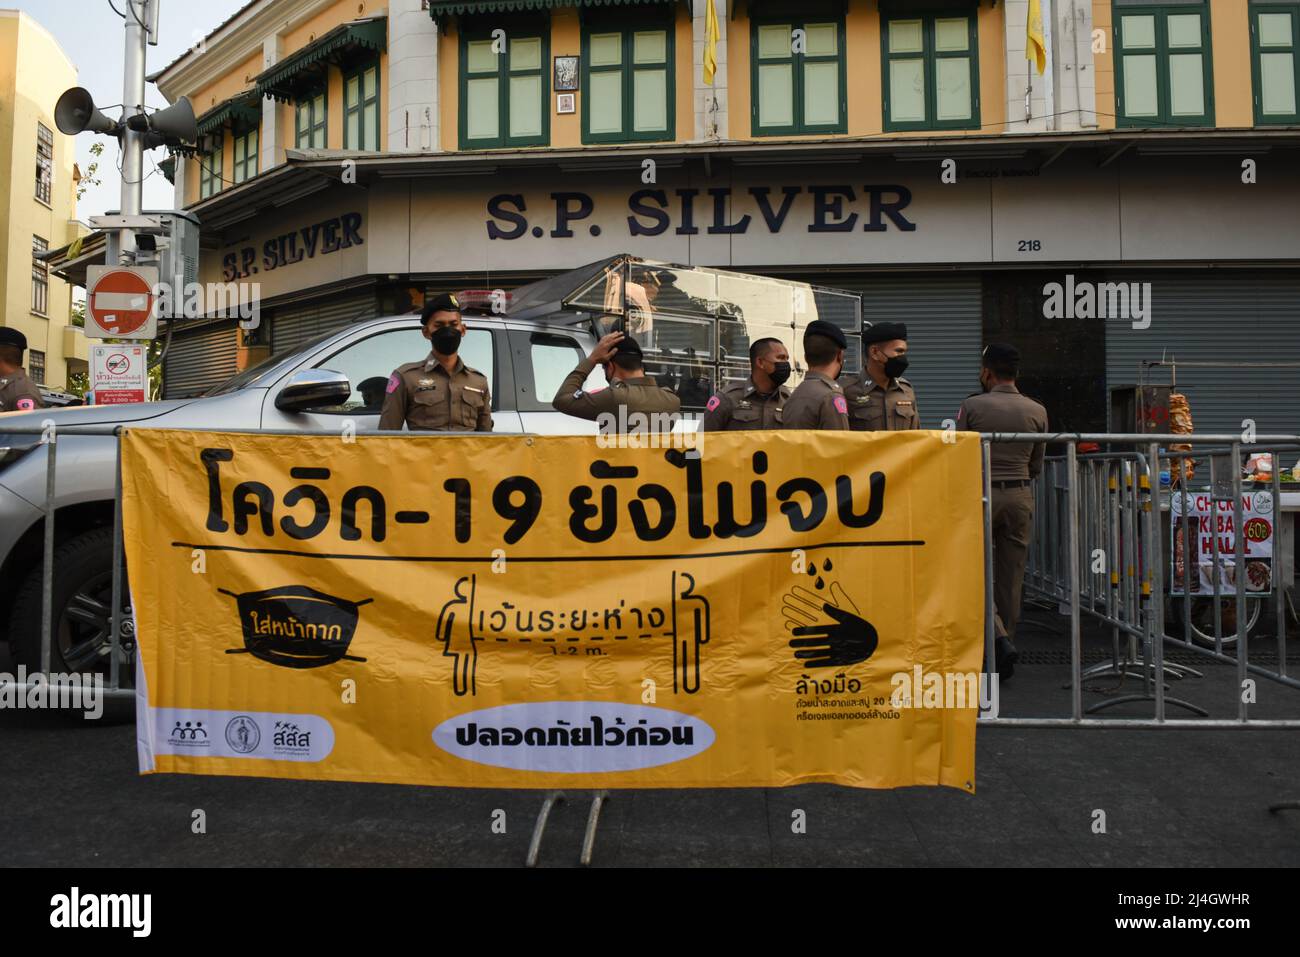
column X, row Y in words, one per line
column 251, row 375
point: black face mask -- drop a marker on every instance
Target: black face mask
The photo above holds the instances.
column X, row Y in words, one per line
column 780, row 373
column 446, row 340
column 895, row 366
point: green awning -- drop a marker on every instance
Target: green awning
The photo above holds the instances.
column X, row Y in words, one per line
column 243, row 108
column 443, row 8
column 282, row 80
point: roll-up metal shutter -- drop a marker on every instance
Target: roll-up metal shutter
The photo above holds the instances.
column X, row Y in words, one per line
column 944, row 334
column 199, row 358
column 294, row 324
column 1225, row 318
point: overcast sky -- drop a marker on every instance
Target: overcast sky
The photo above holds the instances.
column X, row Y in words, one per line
column 92, row 36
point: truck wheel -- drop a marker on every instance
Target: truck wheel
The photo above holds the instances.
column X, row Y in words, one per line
column 83, row 598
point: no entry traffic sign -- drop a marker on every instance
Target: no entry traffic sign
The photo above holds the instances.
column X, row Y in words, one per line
column 120, row 302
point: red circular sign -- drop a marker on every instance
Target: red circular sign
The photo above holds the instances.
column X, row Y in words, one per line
column 1258, row 530
column 121, row 302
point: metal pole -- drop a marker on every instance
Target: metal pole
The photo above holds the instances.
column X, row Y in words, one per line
column 1239, row 580
column 47, row 559
column 133, row 69
column 1279, row 590
column 114, row 667
column 990, row 659
column 1157, row 585
column 1076, row 638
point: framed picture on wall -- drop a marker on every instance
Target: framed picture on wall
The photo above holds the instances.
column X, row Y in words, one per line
column 566, row 73
column 566, row 103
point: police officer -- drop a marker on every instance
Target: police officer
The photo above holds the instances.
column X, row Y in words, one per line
column 880, row 399
column 756, row 403
column 630, row 389
column 439, row 393
column 1000, row 407
column 818, row 402
column 17, row 392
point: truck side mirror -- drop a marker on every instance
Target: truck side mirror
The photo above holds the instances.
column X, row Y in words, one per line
column 314, row 389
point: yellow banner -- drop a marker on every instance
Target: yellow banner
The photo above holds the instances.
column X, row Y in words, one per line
column 511, row 611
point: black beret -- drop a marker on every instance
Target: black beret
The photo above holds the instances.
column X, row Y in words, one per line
column 447, row 302
column 1001, row 353
column 12, row 337
column 820, row 327
column 627, row 346
column 884, row 332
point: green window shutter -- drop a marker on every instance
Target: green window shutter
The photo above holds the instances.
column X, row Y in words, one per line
column 931, row 72
column 504, row 97
column 627, row 82
column 1162, row 64
column 1275, row 70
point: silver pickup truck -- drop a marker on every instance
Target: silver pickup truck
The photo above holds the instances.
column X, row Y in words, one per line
column 317, row 387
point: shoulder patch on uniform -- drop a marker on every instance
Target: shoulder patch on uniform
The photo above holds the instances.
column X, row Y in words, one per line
column 713, row 403
column 394, row 381
column 841, row 406
column 26, row 404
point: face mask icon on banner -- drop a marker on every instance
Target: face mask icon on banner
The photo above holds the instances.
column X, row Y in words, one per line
column 294, row 626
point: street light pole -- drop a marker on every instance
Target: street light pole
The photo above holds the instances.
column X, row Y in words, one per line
column 137, row 15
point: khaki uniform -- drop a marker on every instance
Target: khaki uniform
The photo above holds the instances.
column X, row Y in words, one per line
column 740, row 407
column 873, row 409
column 641, row 394
column 817, row 403
column 19, row 393
column 422, row 395
column 1011, row 467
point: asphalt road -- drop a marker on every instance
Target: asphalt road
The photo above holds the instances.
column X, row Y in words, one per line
column 71, row 797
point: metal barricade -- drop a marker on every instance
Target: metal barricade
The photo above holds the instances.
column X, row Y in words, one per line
column 49, row 441
column 1106, row 503
column 1100, row 549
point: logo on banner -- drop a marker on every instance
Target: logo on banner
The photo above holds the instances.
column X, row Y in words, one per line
column 243, row 735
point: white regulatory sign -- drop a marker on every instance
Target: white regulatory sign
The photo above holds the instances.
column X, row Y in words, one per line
column 119, row 373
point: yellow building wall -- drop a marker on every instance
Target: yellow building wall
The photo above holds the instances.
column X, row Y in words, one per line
column 1104, row 64
column 1231, row 60
column 864, row 76
column 566, row 40
column 34, row 72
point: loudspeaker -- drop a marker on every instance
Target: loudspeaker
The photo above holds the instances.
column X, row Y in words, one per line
column 174, row 123
column 75, row 112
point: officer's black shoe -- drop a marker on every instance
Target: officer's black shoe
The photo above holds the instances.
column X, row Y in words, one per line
column 1005, row 656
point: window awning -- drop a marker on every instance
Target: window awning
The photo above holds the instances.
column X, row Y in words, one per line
column 240, row 108
column 282, row 81
column 445, row 8
column 902, row 8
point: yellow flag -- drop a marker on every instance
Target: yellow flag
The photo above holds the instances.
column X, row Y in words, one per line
column 1035, row 45
column 711, row 43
